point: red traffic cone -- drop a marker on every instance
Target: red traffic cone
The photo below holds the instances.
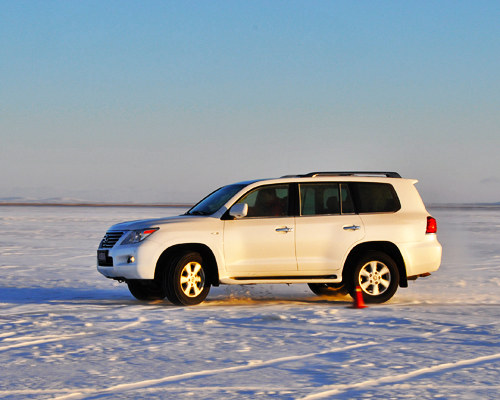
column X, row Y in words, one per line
column 358, row 299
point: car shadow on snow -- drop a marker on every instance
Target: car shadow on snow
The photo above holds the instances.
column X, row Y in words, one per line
column 114, row 296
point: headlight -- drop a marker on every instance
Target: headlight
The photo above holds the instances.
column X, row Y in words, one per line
column 138, row 236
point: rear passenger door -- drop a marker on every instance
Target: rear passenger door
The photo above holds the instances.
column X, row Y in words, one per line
column 326, row 228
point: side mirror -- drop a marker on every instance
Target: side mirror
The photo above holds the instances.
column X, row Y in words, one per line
column 239, row 210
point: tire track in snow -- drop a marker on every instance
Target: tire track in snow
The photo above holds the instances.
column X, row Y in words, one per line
column 82, row 393
column 214, row 389
column 42, row 340
column 338, row 389
column 57, row 338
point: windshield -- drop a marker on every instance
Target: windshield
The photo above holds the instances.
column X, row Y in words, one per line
column 215, row 200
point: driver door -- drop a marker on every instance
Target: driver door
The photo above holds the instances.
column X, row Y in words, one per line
column 263, row 242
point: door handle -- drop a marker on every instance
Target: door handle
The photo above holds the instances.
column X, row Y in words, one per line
column 285, row 229
column 351, row 228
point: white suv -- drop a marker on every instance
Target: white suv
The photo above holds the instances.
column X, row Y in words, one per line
column 332, row 230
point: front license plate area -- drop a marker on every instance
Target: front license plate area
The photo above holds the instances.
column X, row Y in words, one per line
column 103, row 258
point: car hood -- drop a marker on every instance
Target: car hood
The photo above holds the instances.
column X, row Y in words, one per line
column 151, row 223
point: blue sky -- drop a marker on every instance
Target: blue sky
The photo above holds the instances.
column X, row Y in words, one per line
column 167, row 100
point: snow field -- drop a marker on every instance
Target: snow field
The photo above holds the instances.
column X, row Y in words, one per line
column 66, row 332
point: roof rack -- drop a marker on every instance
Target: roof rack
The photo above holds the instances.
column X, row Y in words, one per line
column 347, row 173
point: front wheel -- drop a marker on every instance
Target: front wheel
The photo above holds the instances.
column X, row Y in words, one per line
column 378, row 277
column 186, row 280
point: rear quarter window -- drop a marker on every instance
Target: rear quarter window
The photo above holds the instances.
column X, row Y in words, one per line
column 374, row 197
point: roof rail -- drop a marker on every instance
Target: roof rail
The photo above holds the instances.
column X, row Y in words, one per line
column 351, row 173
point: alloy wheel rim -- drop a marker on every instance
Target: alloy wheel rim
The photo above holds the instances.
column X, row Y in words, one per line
column 192, row 279
column 374, row 278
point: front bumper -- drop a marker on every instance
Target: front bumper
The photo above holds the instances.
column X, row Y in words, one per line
column 137, row 261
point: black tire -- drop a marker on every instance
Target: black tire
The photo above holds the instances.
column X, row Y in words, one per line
column 186, row 280
column 377, row 275
column 328, row 289
column 146, row 290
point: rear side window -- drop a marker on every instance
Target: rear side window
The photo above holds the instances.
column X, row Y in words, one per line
column 325, row 199
column 374, row 197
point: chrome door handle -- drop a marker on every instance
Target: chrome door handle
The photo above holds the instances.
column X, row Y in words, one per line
column 286, row 229
column 352, row 228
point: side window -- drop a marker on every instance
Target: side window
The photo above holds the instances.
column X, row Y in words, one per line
column 267, row 201
column 375, row 197
column 319, row 198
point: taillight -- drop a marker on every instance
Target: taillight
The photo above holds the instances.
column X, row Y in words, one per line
column 431, row 225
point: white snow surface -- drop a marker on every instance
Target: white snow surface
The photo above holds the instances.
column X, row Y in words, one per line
column 66, row 332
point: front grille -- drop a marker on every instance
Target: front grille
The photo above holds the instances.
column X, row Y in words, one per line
column 110, row 239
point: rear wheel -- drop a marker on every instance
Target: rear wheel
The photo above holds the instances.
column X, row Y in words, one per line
column 378, row 277
column 328, row 289
column 186, row 280
column 146, row 290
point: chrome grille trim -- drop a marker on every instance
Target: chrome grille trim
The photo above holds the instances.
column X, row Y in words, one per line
column 110, row 239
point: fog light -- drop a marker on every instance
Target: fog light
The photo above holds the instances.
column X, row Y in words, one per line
column 131, row 260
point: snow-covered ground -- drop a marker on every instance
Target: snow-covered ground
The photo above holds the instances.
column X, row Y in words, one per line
column 66, row 332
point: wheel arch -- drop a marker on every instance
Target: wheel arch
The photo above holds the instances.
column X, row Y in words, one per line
column 387, row 247
column 206, row 254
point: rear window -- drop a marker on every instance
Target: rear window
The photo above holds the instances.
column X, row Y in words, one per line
column 374, row 197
